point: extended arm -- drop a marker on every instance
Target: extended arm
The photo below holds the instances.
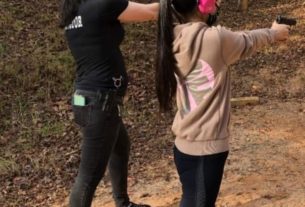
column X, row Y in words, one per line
column 136, row 12
column 238, row 45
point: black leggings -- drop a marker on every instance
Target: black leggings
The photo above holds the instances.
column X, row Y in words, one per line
column 105, row 142
column 200, row 177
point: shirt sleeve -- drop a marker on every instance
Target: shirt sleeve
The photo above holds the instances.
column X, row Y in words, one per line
column 238, row 45
column 111, row 9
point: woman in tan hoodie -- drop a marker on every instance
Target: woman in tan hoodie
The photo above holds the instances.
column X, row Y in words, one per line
column 192, row 64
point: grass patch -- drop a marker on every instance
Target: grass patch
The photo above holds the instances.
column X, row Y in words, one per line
column 7, row 166
column 52, row 129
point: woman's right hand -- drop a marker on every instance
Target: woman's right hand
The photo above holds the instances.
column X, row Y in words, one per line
column 281, row 31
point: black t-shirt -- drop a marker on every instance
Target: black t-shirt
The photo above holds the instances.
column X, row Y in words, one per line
column 94, row 37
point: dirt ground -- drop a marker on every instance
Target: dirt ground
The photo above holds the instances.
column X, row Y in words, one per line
column 265, row 167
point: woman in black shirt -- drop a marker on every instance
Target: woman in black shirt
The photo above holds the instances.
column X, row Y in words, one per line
column 94, row 33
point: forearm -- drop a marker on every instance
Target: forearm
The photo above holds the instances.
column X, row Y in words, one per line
column 255, row 40
column 154, row 11
column 136, row 12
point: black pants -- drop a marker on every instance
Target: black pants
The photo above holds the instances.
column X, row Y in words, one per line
column 105, row 142
column 200, row 177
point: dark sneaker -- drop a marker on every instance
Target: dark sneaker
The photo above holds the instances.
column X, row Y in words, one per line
column 131, row 204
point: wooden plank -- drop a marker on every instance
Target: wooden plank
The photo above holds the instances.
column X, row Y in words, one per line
column 242, row 101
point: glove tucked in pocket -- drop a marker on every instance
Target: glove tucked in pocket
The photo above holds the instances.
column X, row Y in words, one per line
column 81, row 110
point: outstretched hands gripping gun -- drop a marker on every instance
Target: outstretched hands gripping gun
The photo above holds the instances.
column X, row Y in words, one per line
column 285, row 20
column 281, row 26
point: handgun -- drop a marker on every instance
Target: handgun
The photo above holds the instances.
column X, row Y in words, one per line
column 286, row 20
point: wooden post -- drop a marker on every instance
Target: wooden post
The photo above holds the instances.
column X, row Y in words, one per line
column 243, row 5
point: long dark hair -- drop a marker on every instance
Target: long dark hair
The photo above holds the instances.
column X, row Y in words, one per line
column 68, row 11
column 166, row 83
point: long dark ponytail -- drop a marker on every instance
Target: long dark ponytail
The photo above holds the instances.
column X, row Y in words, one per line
column 166, row 63
column 68, row 11
column 166, row 83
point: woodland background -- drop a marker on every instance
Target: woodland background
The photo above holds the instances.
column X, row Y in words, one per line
column 39, row 143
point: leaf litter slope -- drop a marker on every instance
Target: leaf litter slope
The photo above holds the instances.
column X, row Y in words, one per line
column 40, row 144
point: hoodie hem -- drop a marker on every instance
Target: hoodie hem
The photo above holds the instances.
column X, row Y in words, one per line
column 202, row 147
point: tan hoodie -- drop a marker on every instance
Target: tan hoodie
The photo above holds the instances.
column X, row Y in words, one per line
column 203, row 55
